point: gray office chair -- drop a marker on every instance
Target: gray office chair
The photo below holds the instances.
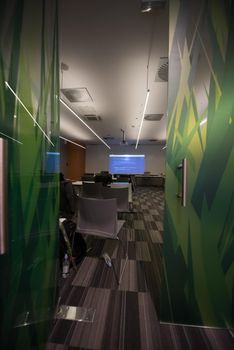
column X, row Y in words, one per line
column 98, row 217
column 121, row 195
column 92, row 190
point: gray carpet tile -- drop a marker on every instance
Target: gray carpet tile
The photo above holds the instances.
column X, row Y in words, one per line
column 149, row 327
column 193, row 338
column 139, row 224
column 123, row 320
column 159, row 225
column 156, row 236
column 126, row 315
column 90, row 335
column 142, row 251
column 95, row 273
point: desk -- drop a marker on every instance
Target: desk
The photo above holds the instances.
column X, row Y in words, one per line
column 77, row 183
column 80, row 183
column 78, row 186
column 149, row 180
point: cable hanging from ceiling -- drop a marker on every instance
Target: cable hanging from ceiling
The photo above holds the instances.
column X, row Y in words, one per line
column 147, row 81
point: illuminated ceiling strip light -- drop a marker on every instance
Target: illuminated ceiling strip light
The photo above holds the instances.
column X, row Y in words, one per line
column 76, row 115
column 203, row 121
column 142, row 118
column 1, row 133
column 23, row 105
column 147, row 9
column 74, row 143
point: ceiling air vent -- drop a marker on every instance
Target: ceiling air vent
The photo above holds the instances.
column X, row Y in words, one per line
column 92, row 117
column 162, row 71
column 153, row 117
column 77, row 95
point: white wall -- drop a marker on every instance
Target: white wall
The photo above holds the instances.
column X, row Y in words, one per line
column 97, row 157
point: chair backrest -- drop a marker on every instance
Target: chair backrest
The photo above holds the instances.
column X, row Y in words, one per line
column 97, row 217
column 68, row 199
column 92, row 190
column 104, row 178
column 121, row 195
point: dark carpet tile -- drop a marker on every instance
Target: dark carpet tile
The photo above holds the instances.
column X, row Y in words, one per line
column 77, row 348
column 149, row 326
column 193, row 338
column 95, row 273
column 151, row 225
column 132, row 250
column 62, row 332
column 140, row 235
column 142, row 251
column 54, row 346
column 121, row 332
column 90, row 335
column 123, row 320
column 153, row 280
column 65, row 286
column 76, row 296
column 95, row 246
column 220, row 338
column 156, row 236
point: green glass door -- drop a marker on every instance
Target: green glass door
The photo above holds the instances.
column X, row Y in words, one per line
column 198, row 237
column 29, row 130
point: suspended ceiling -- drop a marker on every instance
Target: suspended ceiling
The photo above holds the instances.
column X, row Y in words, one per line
column 113, row 52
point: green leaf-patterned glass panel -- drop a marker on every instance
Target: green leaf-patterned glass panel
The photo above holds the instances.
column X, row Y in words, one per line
column 29, row 123
column 198, row 276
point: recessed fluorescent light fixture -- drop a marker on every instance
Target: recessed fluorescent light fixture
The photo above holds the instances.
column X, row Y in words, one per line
column 76, row 115
column 142, row 117
column 148, row 8
column 30, row 115
column 74, row 143
column 203, row 121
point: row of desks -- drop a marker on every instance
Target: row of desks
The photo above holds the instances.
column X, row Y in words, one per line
column 149, row 180
column 78, row 187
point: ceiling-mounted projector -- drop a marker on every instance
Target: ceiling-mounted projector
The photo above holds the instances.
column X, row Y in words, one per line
column 149, row 5
column 123, row 142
